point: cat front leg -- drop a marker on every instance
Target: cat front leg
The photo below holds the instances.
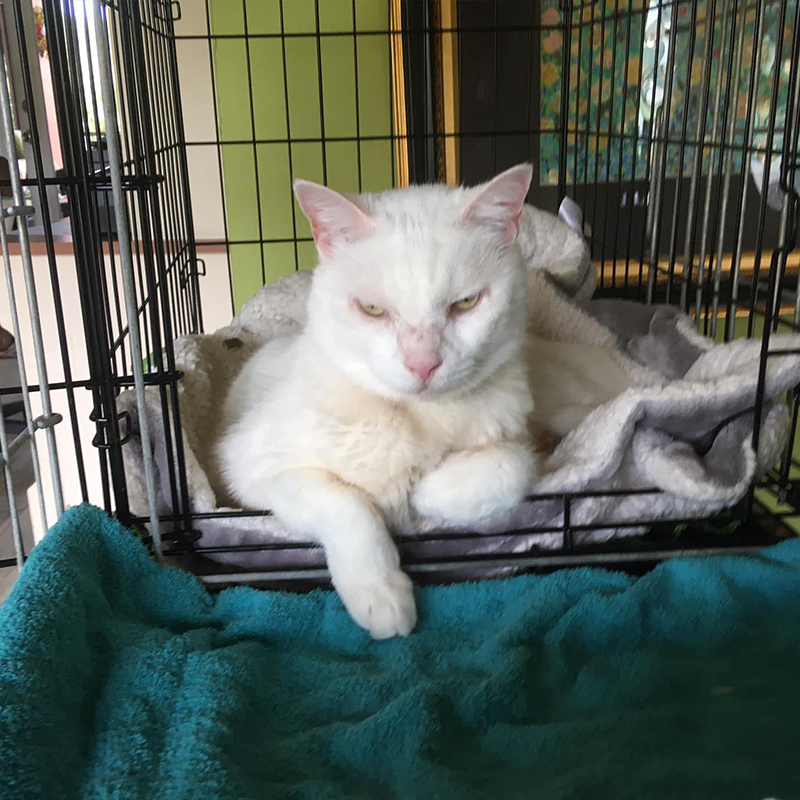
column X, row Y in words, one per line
column 362, row 558
column 473, row 485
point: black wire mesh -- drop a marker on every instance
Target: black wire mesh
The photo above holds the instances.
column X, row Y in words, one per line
column 674, row 125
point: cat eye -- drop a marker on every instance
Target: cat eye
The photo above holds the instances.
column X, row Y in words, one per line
column 372, row 310
column 466, row 303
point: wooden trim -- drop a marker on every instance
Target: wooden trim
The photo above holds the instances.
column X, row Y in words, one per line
column 63, row 246
column 783, row 311
column 447, row 20
column 398, row 94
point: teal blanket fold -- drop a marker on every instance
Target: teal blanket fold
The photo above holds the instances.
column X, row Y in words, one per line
column 123, row 679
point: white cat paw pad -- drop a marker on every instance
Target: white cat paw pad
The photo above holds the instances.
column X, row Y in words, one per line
column 383, row 606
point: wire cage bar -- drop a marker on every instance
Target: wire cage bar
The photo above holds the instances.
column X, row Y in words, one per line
column 83, row 267
column 126, row 260
column 673, row 124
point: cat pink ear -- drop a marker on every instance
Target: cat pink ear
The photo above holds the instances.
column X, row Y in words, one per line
column 333, row 217
column 498, row 203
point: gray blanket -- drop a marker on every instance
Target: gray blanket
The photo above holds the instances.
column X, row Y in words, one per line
column 684, row 426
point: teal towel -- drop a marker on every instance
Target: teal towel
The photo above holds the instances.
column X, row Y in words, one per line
column 123, row 679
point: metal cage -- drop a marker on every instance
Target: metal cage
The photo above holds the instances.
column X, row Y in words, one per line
column 674, row 124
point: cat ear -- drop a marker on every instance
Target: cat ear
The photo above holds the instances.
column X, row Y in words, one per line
column 333, row 217
column 498, row 203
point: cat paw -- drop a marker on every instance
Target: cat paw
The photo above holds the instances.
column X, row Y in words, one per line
column 384, row 606
column 472, row 487
column 443, row 496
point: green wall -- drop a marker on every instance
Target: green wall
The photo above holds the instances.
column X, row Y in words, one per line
column 260, row 143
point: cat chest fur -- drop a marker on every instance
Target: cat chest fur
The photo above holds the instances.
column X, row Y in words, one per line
column 381, row 446
column 385, row 447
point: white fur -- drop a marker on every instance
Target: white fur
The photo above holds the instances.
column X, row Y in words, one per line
column 569, row 380
column 333, row 432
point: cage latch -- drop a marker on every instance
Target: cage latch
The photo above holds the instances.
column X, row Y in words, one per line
column 101, row 440
column 196, row 268
column 19, row 211
column 40, row 423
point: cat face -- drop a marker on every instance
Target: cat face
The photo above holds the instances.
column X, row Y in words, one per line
column 419, row 291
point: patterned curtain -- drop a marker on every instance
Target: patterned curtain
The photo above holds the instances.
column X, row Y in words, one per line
column 621, row 52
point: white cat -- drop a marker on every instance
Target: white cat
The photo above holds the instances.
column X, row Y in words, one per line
column 405, row 395
column 568, row 381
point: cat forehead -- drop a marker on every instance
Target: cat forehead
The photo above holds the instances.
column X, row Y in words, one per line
column 427, row 255
column 418, row 251
column 424, row 205
column 418, row 228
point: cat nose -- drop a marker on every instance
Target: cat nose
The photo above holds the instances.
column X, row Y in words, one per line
column 422, row 366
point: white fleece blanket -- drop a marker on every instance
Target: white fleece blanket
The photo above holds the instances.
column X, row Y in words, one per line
column 684, row 426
